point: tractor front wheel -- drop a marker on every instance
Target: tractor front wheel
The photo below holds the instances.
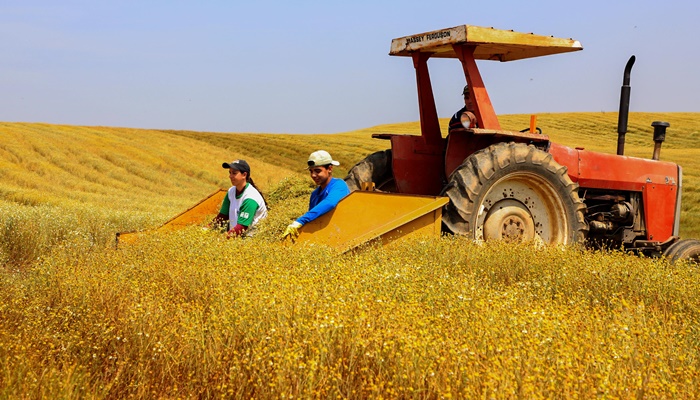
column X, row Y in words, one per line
column 684, row 249
column 376, row 168
column 514, row 192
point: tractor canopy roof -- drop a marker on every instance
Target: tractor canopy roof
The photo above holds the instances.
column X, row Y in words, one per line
column 489, row 43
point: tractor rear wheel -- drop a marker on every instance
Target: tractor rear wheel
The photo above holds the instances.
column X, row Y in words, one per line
column 376, row 168
column 684, row 249
column 514, row 192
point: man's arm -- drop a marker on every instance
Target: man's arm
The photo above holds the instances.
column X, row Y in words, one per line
column 336, row 192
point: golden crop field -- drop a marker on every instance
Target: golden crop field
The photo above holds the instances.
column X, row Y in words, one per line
column 192, row 314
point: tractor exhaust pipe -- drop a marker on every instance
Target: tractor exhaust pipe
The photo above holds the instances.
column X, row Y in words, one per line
column 659, row 136
column 624, row 108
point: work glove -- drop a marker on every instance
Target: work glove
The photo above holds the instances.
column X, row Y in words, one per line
column 292, row 231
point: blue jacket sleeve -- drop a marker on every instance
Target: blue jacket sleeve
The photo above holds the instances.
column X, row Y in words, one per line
column 329, row 198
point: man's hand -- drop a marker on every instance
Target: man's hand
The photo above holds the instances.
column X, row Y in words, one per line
column 292, row 231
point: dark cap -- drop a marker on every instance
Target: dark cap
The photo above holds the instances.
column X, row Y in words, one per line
column 466, row 90
column 238, row 165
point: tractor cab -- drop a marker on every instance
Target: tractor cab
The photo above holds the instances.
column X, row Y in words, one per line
column 422, row 164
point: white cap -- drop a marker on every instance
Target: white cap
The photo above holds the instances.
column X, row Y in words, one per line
column 321, row 158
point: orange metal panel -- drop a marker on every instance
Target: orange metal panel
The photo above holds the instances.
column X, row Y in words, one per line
column 460, row 145
column 567, row 157
column 196, row 214
column 417, row 168
column 514, row 136
column 659, row 210
column 385, row 216
column 657, row 180
column 609, row 171
column 485, row 114
column 429, row 123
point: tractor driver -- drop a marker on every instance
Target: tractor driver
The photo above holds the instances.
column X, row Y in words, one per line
column 464, row 118
column 325, row 197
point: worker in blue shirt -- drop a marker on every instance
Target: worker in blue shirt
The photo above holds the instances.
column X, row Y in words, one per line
column 325, row 197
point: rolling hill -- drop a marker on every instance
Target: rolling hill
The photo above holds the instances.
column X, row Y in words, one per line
column 161, row 172
column 191, row 314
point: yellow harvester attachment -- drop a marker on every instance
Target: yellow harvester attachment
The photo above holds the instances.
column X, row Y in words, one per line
column 359, row 218
column 196, row 214
column 362, row 217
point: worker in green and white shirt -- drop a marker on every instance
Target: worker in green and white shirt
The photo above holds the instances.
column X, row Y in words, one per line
column 244, row 206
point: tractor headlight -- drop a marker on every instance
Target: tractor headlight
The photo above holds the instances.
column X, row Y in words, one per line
column 468, row 119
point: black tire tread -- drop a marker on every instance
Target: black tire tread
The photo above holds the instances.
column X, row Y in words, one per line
column 684, row 249
column 376, row 168
column 473, row 177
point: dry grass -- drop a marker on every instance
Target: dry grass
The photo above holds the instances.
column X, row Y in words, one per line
column 190, row 314
column 193, row 315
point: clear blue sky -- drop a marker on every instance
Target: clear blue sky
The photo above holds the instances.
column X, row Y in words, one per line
column 323, row 66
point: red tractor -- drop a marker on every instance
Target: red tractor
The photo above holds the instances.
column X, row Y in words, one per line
column 519, row 185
